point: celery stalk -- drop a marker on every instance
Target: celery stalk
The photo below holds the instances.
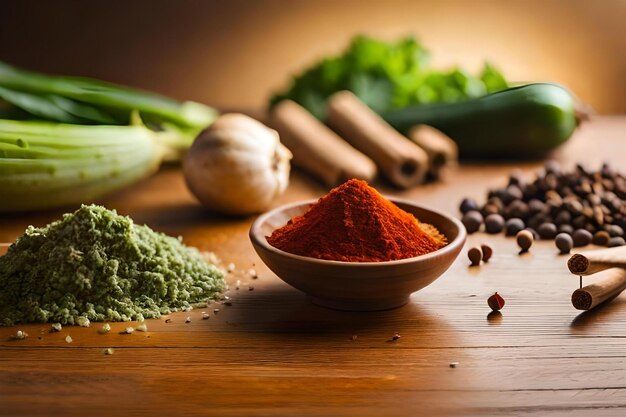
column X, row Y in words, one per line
column 48, row 165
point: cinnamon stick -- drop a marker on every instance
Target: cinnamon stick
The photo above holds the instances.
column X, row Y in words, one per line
column 403, row 162
column 441, row 150
column 316, row 148
column 612, row 283
column 590, row 262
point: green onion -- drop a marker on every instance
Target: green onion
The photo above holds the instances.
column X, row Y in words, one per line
column 71, row 140
column 88, row 101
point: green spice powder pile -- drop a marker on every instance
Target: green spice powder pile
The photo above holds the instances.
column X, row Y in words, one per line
column 97, row 264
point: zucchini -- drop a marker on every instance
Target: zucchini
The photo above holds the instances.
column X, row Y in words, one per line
column 520, row 122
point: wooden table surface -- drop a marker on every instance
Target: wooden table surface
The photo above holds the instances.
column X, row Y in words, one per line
column 273, row 353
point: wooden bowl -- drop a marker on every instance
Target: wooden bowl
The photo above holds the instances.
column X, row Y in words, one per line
column 358, row 286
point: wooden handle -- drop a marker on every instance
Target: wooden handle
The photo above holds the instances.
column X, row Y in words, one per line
column 612, row 283
column 403, row 162
column 317, row 149
column 590, row 262
column 441, row 150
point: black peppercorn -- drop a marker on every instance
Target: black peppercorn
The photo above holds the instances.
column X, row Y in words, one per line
column 564, row 243
column 472, row 220
column 582, row 237
column 547, row 230
column 494, row 223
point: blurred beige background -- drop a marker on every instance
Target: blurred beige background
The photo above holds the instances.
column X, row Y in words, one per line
column 233, row 54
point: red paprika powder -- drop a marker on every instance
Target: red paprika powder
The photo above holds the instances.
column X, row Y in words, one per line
column 354, row 223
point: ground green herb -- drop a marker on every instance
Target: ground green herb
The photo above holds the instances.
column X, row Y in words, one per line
column 96, row 264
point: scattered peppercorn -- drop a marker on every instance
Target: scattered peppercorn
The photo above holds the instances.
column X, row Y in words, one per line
column 564, row 217
column 564, row 243
column 514, row 225
column 601, row 238
column 472, row 220
column 487, row 252
column 566, row 228
column 495, row 302
column 188, row 320
column 524, row 240
column 582, row 237
column 475, row 255
column 453, row 364
column 205, row 315
column 468, row 205
column 547, row 230
column 616, row 241
column 614, row 230
column 494, row 223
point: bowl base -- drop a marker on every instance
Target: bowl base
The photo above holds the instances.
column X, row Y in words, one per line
column 360, row 305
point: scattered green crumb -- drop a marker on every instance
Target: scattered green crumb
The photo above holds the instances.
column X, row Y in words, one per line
column 106, row 328
column 56, row 327
column 127, row 330
column 83, row 321
column 20, row 335
column 142, row 328
column 108, row 351
column 69, row 339
column 96, row 264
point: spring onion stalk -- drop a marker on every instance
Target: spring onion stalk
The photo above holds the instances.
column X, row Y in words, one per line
column 87, row 101
column 46, row 165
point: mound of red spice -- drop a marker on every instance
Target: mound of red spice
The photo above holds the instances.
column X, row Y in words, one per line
column 354, row 223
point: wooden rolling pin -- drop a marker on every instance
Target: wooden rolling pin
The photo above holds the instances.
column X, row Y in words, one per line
column 317, row 149
column 612, row 283
column 403, row 162
column 590, row 262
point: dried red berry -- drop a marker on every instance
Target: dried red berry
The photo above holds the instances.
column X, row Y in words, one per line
column 475, row 255
column 495, row 302
column 487, row 252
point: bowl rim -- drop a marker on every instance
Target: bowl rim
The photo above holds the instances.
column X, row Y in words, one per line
column 258, row 238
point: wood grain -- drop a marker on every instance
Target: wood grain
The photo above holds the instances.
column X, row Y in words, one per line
column 273, row 353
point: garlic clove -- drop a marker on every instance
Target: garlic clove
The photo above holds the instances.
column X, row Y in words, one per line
column 237, row 166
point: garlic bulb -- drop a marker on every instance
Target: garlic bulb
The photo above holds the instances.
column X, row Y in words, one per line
column 237, row 166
